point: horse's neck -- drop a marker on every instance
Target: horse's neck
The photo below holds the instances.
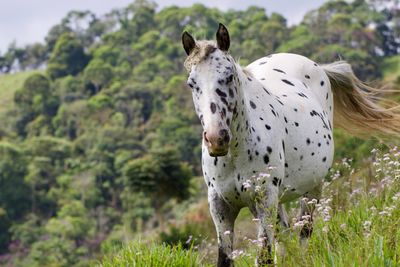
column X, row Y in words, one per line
column 240, row 126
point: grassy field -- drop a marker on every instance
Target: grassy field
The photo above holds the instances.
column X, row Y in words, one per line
column 356, row 224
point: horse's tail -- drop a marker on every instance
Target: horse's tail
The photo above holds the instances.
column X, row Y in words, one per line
column 357, row 106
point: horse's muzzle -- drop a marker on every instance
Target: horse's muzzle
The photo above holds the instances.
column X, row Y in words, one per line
column 217, row 142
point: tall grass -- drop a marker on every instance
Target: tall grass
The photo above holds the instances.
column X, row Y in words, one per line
column 140, row 254
column 357, row 222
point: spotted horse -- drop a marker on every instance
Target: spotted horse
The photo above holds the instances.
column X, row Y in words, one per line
column 273, row 117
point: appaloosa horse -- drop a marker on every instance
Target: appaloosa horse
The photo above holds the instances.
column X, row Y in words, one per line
column 274, row 118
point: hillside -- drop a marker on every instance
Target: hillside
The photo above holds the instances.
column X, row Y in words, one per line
column 101, row 149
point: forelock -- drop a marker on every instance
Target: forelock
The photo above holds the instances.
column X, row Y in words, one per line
column 201, row 52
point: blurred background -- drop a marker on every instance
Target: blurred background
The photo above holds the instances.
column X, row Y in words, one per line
column 99, row 142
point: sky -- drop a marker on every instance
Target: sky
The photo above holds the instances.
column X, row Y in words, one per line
column 28, row 21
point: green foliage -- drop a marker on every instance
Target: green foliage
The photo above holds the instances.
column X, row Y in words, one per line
column 54, row 252
column 99, row 102
column 160, row 174
column 14, row 197
column 173, row 132
column 67, row 58
column 301, row 41
column 27, row 232
column 72, row 222
column 98, row 74
column 36, row 84
column 5, row 237
column 35, row 101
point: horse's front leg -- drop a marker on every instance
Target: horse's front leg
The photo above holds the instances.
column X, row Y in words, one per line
column 282, row 231
column 266, row 207
column 224, row 216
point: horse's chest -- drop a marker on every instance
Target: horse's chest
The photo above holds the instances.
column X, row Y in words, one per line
column 235, row 176
column 221, row 177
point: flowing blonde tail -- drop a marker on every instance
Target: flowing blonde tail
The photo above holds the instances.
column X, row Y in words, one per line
column 357, row 106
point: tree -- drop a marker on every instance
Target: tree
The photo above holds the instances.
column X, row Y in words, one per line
column 36, row 96
column 273, row 33
column 33, row 99
column 98, row 74
column 47, row 159
column 34, row 57
column 67, row 58
column 14, row 193
column 54, row 34
column 159, row 174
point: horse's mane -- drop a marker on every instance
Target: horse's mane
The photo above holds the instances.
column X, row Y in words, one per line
column 247, row 72
column 201, row 52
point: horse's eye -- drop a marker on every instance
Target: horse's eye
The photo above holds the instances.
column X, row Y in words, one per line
column 229, row 79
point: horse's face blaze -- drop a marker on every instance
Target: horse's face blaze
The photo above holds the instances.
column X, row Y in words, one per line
column 214, row 96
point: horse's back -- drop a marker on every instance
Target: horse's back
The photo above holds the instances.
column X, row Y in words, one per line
column 293, row 68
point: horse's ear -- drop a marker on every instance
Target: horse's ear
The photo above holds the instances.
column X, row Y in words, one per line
column 188, row 42
column 223, row 40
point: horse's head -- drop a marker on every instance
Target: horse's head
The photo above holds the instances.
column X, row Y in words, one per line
column 212, row 79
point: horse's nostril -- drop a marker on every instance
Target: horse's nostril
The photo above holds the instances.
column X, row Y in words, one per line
column 205, row 137
column 217, row 139
column 224, row 134
column 226, row 138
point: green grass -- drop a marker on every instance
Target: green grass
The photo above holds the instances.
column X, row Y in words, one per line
column 362, row 228
column 139, row 254
column 8, row 85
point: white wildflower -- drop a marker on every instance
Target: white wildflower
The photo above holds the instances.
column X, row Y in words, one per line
column 247, row 184
column 367, row 224
column 237, row 253
column 313, row 201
